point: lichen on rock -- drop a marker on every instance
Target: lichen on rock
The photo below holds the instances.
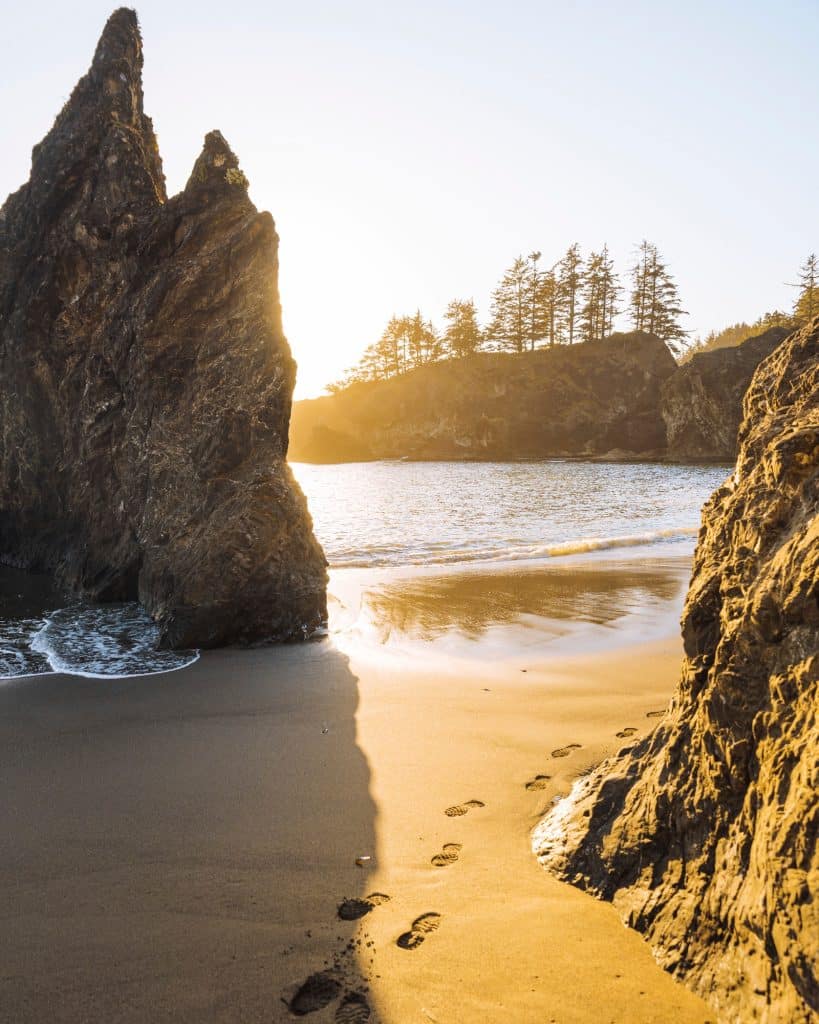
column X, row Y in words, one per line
column 146, row 380
column 704, row 834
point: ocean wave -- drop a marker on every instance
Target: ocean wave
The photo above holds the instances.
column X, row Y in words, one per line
column 97, row 642
column 432, row 555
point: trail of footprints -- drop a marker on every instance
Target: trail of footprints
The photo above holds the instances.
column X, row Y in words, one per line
column 322, row 988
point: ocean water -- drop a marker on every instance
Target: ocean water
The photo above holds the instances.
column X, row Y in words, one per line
column 460, row 513
column 41, row 634
column 400, row 515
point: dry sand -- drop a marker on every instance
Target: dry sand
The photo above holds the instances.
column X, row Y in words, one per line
column 175, row 848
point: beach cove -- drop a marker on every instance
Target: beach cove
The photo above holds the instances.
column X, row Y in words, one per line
column 182, row 842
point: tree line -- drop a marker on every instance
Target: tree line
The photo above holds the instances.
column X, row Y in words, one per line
column 574, row 299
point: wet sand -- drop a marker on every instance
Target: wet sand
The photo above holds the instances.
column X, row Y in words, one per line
column 175, row 848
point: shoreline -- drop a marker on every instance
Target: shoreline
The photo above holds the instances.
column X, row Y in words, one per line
column 617, row 458
column 182, row 842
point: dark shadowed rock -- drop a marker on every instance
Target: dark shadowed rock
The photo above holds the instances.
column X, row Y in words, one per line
column 146, row 380
column 705, row 834
column 702, row 402
column 589, row 399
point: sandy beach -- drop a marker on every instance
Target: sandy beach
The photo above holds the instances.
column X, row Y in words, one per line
column 176, row 847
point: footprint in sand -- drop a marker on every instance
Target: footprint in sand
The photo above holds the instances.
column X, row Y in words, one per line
column 317, row 992
column 654, row 714
column 565, row 751
column 460, row 809
column 628, row 731
column 538, row 782
column 352, row 910
column 422, row 926
column 447, row 856
column 353, row 1009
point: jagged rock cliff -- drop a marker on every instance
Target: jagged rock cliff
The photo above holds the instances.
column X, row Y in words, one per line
column 145, row 381
column 702, row 402
column 588, row 399
column 705, row 833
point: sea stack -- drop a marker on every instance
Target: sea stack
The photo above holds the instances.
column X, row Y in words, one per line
column 704, row 835
column 145, row 380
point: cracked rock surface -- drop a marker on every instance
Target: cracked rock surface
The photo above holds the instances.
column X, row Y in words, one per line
column 145, row 380
column 704, row 834
column 701, row 401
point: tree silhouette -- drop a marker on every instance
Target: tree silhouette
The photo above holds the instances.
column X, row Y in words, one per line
column 655, row 302
column 600, row 294
column 570, row 281
column 807, row 304
column 509, row 327
column 462, row 335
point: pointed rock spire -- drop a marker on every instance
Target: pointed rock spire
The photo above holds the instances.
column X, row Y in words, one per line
column 143, row 353
column 120, row 45
column 103, row 128
column 217, row 167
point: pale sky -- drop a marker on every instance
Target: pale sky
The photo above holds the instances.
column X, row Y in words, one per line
column 409, row 152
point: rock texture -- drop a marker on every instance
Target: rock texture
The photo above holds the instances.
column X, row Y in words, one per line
column 702, row 402
column 146, row 382
column 590, row 399
column 705, row 833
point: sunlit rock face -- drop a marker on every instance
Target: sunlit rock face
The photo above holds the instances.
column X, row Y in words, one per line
column 145, row 381
column 702, row 402
column 705, row 833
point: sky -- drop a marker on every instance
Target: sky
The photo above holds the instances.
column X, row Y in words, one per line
column 409, row 152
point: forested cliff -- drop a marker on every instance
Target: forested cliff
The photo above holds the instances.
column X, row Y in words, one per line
column 622, row 397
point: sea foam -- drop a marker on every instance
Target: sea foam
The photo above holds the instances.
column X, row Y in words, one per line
column 433, row 554
column 98, row 642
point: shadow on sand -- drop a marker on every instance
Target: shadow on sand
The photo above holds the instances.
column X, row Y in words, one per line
column 175, row 847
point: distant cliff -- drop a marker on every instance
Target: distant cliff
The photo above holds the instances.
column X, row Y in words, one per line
column 588, row 399
column 702, row 401
column 619, row 398
column 145, row 382
column 705, row 835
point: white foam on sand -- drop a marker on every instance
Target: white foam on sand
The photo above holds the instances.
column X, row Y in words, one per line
column 97, row 642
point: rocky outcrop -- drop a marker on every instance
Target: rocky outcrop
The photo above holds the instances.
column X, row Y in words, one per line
column 702, row 402
column 145, row 381
column 705, row 833
column 589, row 399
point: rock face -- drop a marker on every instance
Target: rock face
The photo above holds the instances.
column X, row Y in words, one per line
column 587, row 400
column 702, row 402
column 146, row 381
column 705, row 833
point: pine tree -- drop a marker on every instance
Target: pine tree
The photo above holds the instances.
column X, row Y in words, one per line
column 641, row 278
column 806, row 306
column 655, row 302
column 423, row 344
column 510, row 308
column 462, row 335
column 610, row 292
column 599, row 296
column 570, row 281
column 538, row 320
column 549, row 302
